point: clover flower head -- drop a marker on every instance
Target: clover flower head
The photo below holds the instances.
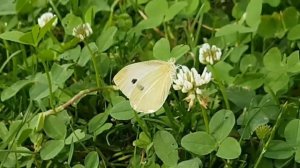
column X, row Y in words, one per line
column 45, row 18
column 190, row 81
column 263, row 131
column 209, row 54
column 82, row 31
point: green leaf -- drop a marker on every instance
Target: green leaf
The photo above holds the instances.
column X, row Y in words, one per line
column 190, row 9
column 253, row 12
column 292, row 133
column 51, row 148
column 69, row 22
column 221, row 71
column 248, row 63
column 91, row 160
column 290, row 16
column 7, row 7
column 256, row 116
column 106, row 39
column 75, row 136
column 237, row 52
column 55, row 127
column 174, row 10
column 85, row 54
column 165, row 147
column 221, row 124
column 10, row 159
column 19, row 37
column 240, row 96
column 272, row 60
column 3, row 131
column 279, row 150
column 251, row 120
column 200, row 143
column 60, row 74
column 229, row 149
column 78, row 166
column 161, row 49
column 122, row 111
column 27, row 38
column 294, row 33
column 179, row 50
column 71, row 54
column 97, row 121
column 11, row 91
column 23, row 135
column 143, row 141
column 24, row 6
column 276, row 81
column 293, row 63
column 270, row 26
column 156, row 8
column 233, row 28
column 297, row 156
column 40, row 89
column 192, row 163
column 89, row 15
column 41, row 32
column 148, row 24
column 103, row 128
column 273, row 3
column 251, row 80
column 104, row 63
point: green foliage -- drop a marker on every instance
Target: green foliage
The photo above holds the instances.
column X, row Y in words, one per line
column 60, row 108
column 165, row 147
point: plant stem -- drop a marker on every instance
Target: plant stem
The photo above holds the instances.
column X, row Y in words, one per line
column 75, row 98
column 8, row 59
column 198, row 28
column 49, row 85
column 265, row 147
column 99, row 83
column 204, row 115
column 55, row 10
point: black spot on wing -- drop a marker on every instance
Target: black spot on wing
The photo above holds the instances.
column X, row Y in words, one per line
column 133, row 81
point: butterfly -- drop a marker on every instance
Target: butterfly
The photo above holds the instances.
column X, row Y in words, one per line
column 146, row 84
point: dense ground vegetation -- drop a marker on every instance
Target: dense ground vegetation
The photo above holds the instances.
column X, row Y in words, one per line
column 234, row 102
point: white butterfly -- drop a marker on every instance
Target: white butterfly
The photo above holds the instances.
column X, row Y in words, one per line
column 146, row 84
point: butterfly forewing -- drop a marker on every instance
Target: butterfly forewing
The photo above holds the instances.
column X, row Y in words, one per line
column 127, row 78
column 152, row 90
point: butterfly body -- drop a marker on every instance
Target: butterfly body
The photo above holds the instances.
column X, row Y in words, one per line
column 146, row 84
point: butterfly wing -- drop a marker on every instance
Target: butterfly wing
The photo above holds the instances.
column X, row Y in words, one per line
column 152, row 90
column 128, row 77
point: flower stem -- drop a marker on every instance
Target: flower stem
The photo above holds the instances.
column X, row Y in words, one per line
column 266, row 145
column 204, row 115
column 99, row 83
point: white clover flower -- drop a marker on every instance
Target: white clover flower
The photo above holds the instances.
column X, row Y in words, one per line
column 82, row 31
column 45, row 18
column 209, row 55
column 190, row 82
